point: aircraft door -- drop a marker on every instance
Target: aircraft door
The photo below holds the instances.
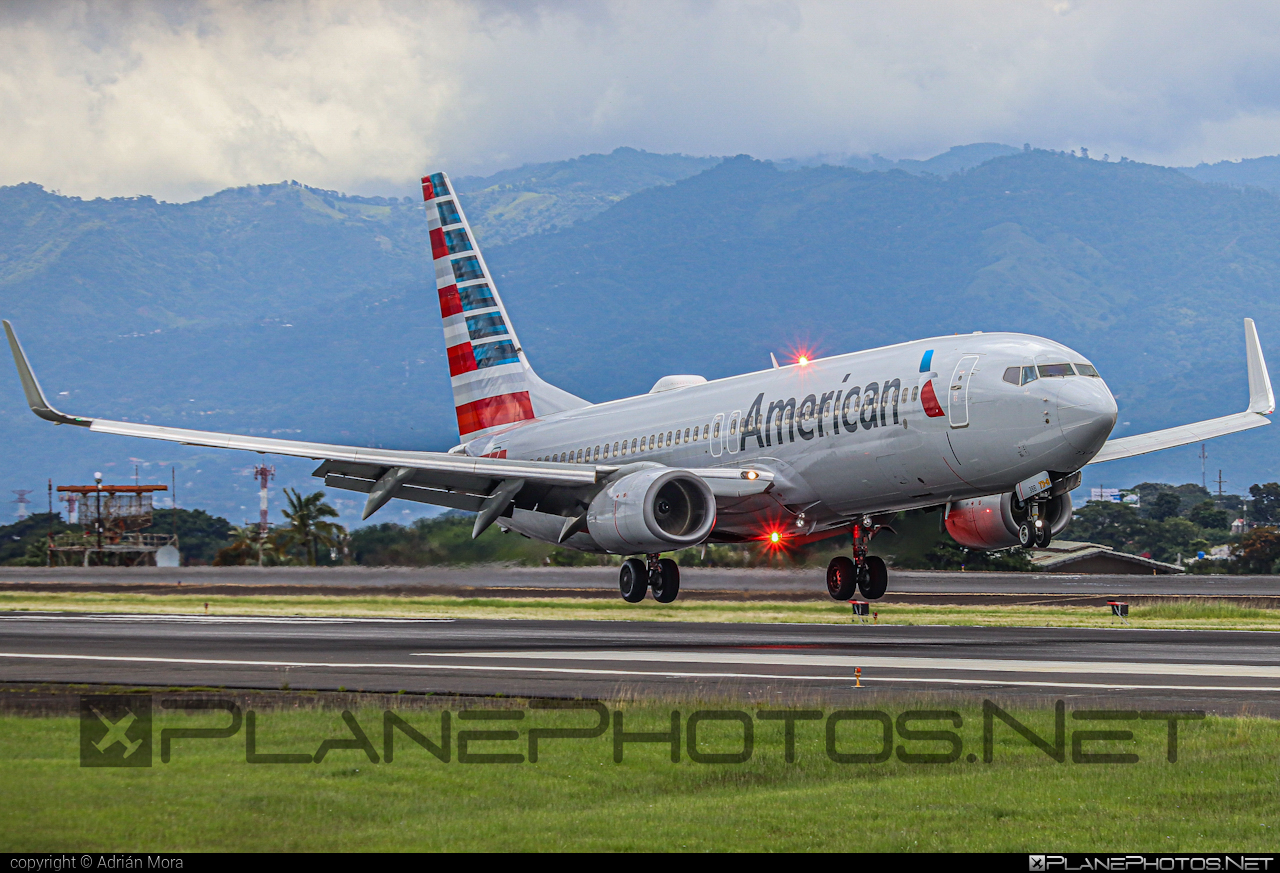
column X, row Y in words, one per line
column 717, row 435
column 731, row 436
column 958, row 395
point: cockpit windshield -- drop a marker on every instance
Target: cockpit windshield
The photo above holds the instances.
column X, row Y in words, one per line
column 1047, row 370
column 1023, row 375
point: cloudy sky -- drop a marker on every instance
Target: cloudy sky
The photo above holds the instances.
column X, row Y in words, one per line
column 180, row 99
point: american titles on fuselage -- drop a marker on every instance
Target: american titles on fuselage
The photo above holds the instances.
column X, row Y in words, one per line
column 876, row 404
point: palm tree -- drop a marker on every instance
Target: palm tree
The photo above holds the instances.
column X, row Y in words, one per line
column 307, row 525
column 243, row 547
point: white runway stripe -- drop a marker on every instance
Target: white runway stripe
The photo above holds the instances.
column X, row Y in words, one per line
column 631, row 674
column 1251, row 671
column 219, row 619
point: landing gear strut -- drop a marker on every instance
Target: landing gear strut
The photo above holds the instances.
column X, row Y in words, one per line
column 867, row 573
column 636, row 577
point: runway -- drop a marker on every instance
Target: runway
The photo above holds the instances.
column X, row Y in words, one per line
column 1213, row 670
column 602, row 582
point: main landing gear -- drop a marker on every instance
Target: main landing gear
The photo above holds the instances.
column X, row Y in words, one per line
column 662, row 575
column 863, row 572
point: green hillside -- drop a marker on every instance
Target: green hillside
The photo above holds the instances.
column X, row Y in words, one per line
column 541, row 197
column 297, row 312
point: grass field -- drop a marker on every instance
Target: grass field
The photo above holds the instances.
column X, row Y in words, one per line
column 1222, row 794
column 1179, row 614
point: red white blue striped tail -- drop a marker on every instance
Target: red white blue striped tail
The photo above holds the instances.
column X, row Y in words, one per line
column 493, row 385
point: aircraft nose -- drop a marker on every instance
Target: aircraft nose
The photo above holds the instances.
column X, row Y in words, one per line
column 1086, row 412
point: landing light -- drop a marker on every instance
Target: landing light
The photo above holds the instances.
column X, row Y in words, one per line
column 775, row 537
column 750, row 474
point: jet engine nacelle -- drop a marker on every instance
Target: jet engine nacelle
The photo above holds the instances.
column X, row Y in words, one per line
column 654, row 510
column 992, row 522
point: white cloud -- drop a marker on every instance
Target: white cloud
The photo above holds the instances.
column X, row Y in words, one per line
column 179, row 100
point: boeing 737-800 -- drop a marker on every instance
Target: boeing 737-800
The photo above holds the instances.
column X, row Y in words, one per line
column 994, row 427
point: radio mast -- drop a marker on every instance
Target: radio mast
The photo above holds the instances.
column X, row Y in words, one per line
column 263, row 474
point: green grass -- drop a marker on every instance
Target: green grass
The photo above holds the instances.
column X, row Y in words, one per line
column 1178, row 614
column 1223, row 794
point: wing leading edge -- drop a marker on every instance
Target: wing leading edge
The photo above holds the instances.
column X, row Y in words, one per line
column 1262, row 402
column 439, row 478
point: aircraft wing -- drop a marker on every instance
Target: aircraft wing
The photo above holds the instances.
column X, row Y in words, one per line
column 1262, row 402
column 440, row 478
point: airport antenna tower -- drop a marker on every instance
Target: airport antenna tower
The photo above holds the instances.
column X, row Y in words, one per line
column 263, row 474
column 22, row 501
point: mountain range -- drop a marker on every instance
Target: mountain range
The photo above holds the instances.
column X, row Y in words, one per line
column 300, row 312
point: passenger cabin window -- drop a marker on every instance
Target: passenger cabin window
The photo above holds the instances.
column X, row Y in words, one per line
column 1013, row 375
column 914, row 391
column 633, row 446
column 686, row 434
column 705, row 428
column 1086, row 370
column 668, row 437
column 1048, row 370
column 597, row 453
column 1029, row 375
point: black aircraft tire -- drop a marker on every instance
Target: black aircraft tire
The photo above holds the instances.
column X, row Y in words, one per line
column 666, row 584
column 842, row 578
column 633, row 580
column 1026, row 535
column 876, row 582
column 1043, row 536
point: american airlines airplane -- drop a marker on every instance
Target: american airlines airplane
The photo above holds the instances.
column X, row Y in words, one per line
column 993, row 427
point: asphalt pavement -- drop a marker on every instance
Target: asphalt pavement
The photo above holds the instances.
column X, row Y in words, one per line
column 1223, row 671
column 696, row 583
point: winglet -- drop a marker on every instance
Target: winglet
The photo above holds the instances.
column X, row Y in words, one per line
column 1261, row 398
column 35, row 397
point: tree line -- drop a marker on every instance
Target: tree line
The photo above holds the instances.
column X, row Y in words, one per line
column 1167, row 522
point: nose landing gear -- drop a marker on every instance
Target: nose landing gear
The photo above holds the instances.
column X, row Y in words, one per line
column 863, row 572
column 1034, row 531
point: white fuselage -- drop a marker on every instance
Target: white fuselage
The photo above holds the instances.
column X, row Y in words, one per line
column 847, row 435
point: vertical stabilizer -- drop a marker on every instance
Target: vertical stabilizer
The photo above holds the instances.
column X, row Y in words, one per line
column 493, row 384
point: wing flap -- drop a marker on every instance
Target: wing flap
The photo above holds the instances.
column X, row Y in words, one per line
column 435, row 497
